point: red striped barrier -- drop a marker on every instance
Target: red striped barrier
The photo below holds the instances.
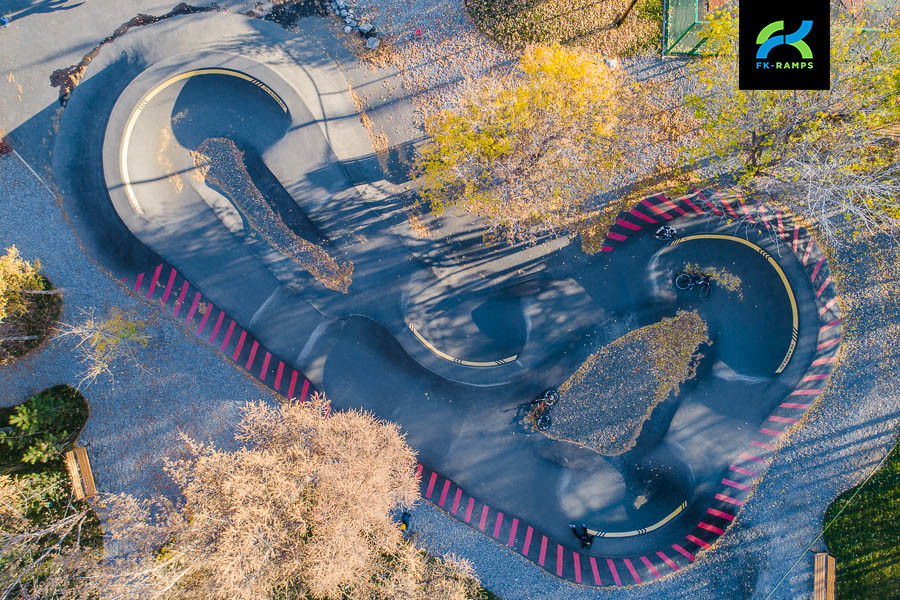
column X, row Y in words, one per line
column 512, row 533
column 631, row 569
column 595, row 571
column 650, row 566
column 612, row 569
column 697, row 541
column 668, row 561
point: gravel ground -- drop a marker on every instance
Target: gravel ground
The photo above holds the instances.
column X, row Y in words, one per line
column 182, row 385
column 450, row 49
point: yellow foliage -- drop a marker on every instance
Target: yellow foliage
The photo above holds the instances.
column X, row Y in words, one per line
column 527, row 150
column 823, row 152
column 17, row 275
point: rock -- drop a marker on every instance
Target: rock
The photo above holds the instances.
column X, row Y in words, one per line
column 343, row 13
column 347, row 29
column 351, row 24
column 365, row 27
column 341, row 4
column 372, row 43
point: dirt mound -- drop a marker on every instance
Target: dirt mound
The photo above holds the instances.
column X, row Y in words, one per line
column 605, row 403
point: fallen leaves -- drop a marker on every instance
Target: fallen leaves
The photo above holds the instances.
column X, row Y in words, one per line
column 605, row 403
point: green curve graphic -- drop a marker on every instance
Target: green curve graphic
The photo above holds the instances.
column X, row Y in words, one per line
column 800, row 45
column 771, row 28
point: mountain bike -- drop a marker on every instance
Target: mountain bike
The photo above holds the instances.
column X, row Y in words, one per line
column 540, row 409
column 665, row 232
column 688, row 281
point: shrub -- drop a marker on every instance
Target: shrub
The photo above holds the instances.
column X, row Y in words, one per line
column 44, row 426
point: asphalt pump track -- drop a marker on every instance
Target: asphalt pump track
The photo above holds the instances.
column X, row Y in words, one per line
column 451, row 356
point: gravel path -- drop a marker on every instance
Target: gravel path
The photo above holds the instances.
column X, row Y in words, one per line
column 181, row 386
column 450, row 48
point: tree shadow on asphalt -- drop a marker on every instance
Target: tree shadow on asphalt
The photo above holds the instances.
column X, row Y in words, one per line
column 19, row 9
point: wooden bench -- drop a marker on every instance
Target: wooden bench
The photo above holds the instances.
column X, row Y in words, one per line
column 80, row 472
column 823, row 577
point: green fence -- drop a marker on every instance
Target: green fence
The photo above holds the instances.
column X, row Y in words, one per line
column 683, row 27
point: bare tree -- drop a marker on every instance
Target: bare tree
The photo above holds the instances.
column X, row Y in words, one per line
column 101, row 343
column 303, row 509
column 42, row 558
column 832, row 156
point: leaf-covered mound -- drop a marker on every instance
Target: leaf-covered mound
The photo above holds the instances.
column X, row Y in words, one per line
column 222, row 164
column 605, row 403
column 723, row 277
column 516, row 23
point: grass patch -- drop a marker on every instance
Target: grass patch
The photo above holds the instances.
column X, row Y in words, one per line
column 516, row 23
column 605, row 403
column 57, row 413
column 43, row 310
column 865, row 538
column 34, row 435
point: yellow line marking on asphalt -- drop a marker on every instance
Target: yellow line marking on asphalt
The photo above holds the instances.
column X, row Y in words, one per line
column 777, row 267
column 126, row 137
column 634, row 532
column 459, row 361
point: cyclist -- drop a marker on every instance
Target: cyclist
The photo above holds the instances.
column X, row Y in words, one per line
column 665, row 232
column 586, row 538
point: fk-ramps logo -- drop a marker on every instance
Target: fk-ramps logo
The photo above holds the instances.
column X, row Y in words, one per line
column 784, row 45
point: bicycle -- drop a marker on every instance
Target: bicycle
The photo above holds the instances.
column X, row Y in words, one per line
column 688, row 281
column 665, row 232
column 540, row 410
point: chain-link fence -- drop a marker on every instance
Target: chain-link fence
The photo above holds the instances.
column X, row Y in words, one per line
column 683, row 26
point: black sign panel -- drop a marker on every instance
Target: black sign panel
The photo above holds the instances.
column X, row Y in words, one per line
column 784, row 45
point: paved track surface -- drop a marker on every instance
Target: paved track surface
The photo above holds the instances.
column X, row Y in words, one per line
column 465, row 421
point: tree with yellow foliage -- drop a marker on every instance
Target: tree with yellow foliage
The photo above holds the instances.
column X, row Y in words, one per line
column 528, row 150
column 825, row 154
column 18, row 277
